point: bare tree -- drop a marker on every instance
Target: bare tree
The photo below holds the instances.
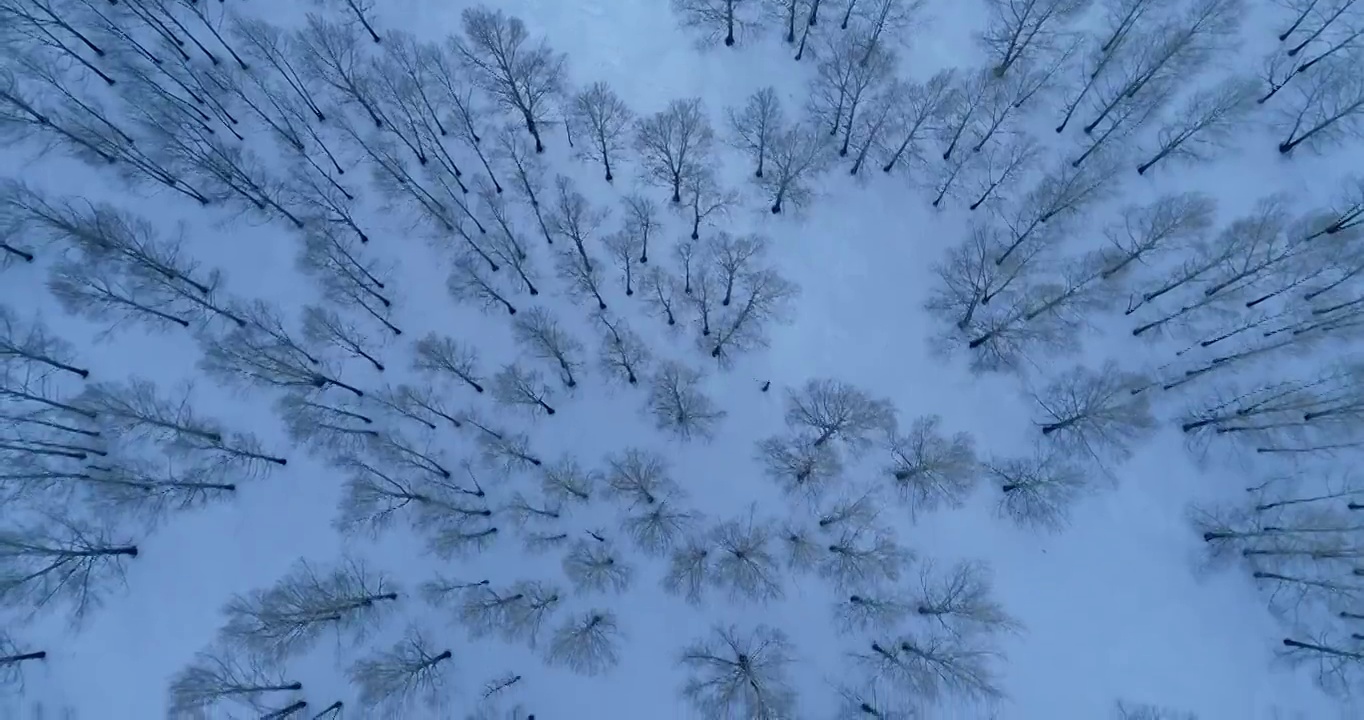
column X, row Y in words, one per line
column 217, row 676
column 873, row 129
column 688, row 569
column 754, row 128
column 544, row 338
column 57, row 562
column 1204, row 123
column 659, row 527
column 1094, row 411
column 678, row 403
column 587, row 643
column 528, row 173
column 29, row 341
column 742, row 562
column 798, row 156
column 1001, row 165
column 325, row 427
column 660, row 289
column 345, row 274
column 1143, row 234
column 719, row 20
column 322, row 326
column 641, row 220
column 469, row 282
column 705, row 200
column 763, row 296
column 574, row 217
column 799, row 466
column 137, row 410
column 1329, row 107
column 409, row 676
column 271, row 48
column 257, row 355
column 1020, row 29
column 1039, row 489
column 358, row 8
column 12, row 659
column 436, row 354
column 595, row 565
column 639, row 478
column 522, row 76
column 526, row 388
column 329, row 56
column 674, row 144
column 960, row 599
column 935, row 665
column 860, row 554
column 603, row 118
column 929, row 468
column 292, row 615
column 509, row 450
column 1334, row 660
column 625, row 249
column 740, row 674
column 623, row 355
column 567, row 480
column 149, row 492
column 835, row 410
column 842, row 81
column 583, row 277
column 927, row 107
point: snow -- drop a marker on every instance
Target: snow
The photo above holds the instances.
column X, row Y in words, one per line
column 1113, row 606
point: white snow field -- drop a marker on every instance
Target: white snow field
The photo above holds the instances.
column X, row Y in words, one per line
column 818, row 586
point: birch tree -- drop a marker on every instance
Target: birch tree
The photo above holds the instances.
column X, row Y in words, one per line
column 674, row 143
column 292, row 615
column 743, row 561
column 219, row 677
column 546, row 340
column 678, row 403
column 799, row 155
column 522, row 76
column 623, row 354
column 930, row 468
column 1019, row 29
column 410, row 676
column 602, row 118
column 325, row 327
column 1203, row 124
column 59, row 563
column 1328, row 107
column 753, row 128
column 28, row 341
column 1094, row 411
column 718, row 20
column 1039, row 489
column 799, row 466
column 446, row 356
column 835, row 410
column 762, row 297
column 256, row 355
column 934, row 665
column 137, row 410
column 734, row 673
column 468, row 281
column 12, row 659
column 960, row 598
column 517, row 386
column 587, row 643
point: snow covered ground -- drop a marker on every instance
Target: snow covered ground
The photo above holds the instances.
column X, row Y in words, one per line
column 1113, row 606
